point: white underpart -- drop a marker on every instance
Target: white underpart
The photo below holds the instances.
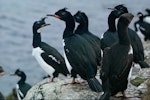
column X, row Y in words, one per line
column 102, row 36
column 139, row 33
column 36, row 52
column 147, row 19
column 19, row 93
column 130, row 73
column 69, row 67
column 131, row 50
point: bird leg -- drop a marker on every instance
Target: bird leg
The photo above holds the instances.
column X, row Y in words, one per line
column 123, row 95
column 74, row 82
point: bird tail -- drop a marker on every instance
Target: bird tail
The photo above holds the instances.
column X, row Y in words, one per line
column 95, row 85
column 143, row 64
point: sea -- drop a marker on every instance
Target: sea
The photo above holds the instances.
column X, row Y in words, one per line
column 16, row 21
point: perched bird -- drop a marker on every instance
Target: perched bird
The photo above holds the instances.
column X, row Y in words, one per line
column 79, row 55
column 1, row 96
column 83, row 30
column 1, row 74
column 110, row 37
column 1, row 71
column 148, row 11
column 117, row 61
column 142, row 26
column 48, row 57
column 22, row 87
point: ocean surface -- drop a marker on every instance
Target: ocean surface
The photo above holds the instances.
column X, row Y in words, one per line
column 18, row 16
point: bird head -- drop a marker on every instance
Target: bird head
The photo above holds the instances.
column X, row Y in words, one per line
column 119, row 10
column 39, row 24
column 78, row 17
column 62, row 14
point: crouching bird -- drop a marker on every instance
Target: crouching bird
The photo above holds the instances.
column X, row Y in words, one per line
column 117, row 61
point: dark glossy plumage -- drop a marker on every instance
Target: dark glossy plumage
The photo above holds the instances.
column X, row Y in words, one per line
column 110, row 37
column 78, row 51
column 82, row 30
column 117, row 61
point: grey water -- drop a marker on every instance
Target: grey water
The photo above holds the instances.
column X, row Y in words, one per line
column 18, row 16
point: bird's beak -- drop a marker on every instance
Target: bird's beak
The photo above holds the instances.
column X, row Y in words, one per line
column 4, row 73
column 12, row 74
column 56, row 16
column 44, row 25
column 112, row 9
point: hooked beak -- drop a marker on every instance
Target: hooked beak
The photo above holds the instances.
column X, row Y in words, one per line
column 12, row 74
column 56, row 16
column 44, row 25
column 4, row 73
column 112, row 9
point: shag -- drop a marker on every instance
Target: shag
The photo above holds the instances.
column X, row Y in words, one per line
column 142, row 26
column 48, row 57
column 117, row 61
column 21, row 87
column 110, row 37
column 80, row 57
column 83, row 30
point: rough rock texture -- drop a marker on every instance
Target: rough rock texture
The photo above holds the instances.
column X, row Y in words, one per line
column 58, row 91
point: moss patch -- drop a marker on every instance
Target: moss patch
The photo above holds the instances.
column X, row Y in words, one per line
column 137, row 81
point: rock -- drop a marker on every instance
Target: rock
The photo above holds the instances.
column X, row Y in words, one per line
column 56, row 90
column 137, row 81
column 147, row 94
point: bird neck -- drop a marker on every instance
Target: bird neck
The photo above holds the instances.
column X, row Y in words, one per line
column 22, row 80
column 123, row 34
column 70, row 25
column 81, row 28
column 141, row 18
column 111, row 23
column 36, row 39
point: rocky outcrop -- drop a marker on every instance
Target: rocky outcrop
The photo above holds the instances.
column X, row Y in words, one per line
column 57, row 91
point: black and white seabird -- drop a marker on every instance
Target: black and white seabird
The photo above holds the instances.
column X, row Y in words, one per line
column 110, row 37
column 142, row 26
column 1, row 74
column 148, row 11
column 21, row 87
column 1, row 71
column 83, row 30
column 79, row 54
column 48, row 57
column 117, row 61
